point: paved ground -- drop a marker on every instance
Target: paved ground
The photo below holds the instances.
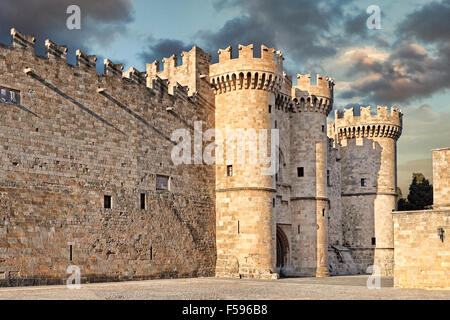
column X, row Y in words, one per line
column 350, row 287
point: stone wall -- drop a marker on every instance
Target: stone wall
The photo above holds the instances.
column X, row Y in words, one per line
column 73, row 139
column 369, row 177
column 245, row 199
column 422, row 253
column 77, row 136
column 441, row 178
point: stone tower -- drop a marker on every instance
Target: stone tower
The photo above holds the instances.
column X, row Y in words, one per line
column 369, row 183
column 245, row 89
column 308, row 174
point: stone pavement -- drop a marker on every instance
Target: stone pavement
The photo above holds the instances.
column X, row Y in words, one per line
column 349, row 287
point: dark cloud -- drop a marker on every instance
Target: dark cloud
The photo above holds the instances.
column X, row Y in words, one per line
column 408, row 73
column 101, row 21
column 303, row 29
column 430, row 23
column 356, row 25
column 163, row 48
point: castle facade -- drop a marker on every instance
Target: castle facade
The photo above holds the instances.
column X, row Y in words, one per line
column 87, row 177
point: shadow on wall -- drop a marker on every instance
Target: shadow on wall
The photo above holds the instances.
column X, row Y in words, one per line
column 361, row 168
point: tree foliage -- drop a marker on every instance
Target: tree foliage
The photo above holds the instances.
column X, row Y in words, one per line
column 420, row 195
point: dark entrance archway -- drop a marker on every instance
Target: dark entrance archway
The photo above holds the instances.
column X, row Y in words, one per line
column 282, row 252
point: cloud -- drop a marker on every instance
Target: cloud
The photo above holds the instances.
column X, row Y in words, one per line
column 46, row 19
column 430, row 23
column 407, row 73
column 423, row 130
column 304, row 29
column 163, row 48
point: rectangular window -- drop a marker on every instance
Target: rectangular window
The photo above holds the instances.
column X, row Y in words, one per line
column 300, row 172
column 107, row 202
column 276, row 124
column 323, row 128
column 273, row 202
column 270, row 108
column 230, row 171
column 9, row 96
column 142, row 201
column 363, row 182
column 323, row 212
column 162, row 182
column 298, row 229
column 374, row 241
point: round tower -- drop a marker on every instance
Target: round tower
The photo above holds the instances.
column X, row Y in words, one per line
column 245, row 90
column 309, row 145
column 369, row 184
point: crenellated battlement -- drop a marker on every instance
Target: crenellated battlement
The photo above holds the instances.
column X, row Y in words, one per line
column 324, row 87
column 58, row 54
column 55, row 51
column 247, row 71
column 20, row 40
column 270, row 61
column 84, row 60
column 194, row 65
column 385, row 123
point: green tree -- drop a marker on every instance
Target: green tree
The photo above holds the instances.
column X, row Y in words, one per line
column 420, row 195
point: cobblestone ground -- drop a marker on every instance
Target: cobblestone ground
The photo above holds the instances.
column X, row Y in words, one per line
column 351, row 287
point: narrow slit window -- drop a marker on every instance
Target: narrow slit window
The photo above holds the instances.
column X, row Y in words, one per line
column 298, row 229
column 107, row 202
column 162, row 182
column 230, row 171
column 323, row 212
column 239, row 227
column 270, row 108
column 328, row 178
column 142, row 201
column 70, row 253
column 374, row 241
column 151, row 253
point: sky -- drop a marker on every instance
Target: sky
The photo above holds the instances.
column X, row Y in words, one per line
column 403, row 64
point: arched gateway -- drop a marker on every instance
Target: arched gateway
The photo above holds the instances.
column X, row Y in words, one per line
column 282, row 252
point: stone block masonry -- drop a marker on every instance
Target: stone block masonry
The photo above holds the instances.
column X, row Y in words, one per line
column 421, row 238
column 87, row 179
column 76, row 136
column 422, row 253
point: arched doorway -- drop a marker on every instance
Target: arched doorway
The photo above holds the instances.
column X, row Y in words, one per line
column 282, row 252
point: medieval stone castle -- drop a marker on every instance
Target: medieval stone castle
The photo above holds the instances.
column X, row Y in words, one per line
column 86, row 176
